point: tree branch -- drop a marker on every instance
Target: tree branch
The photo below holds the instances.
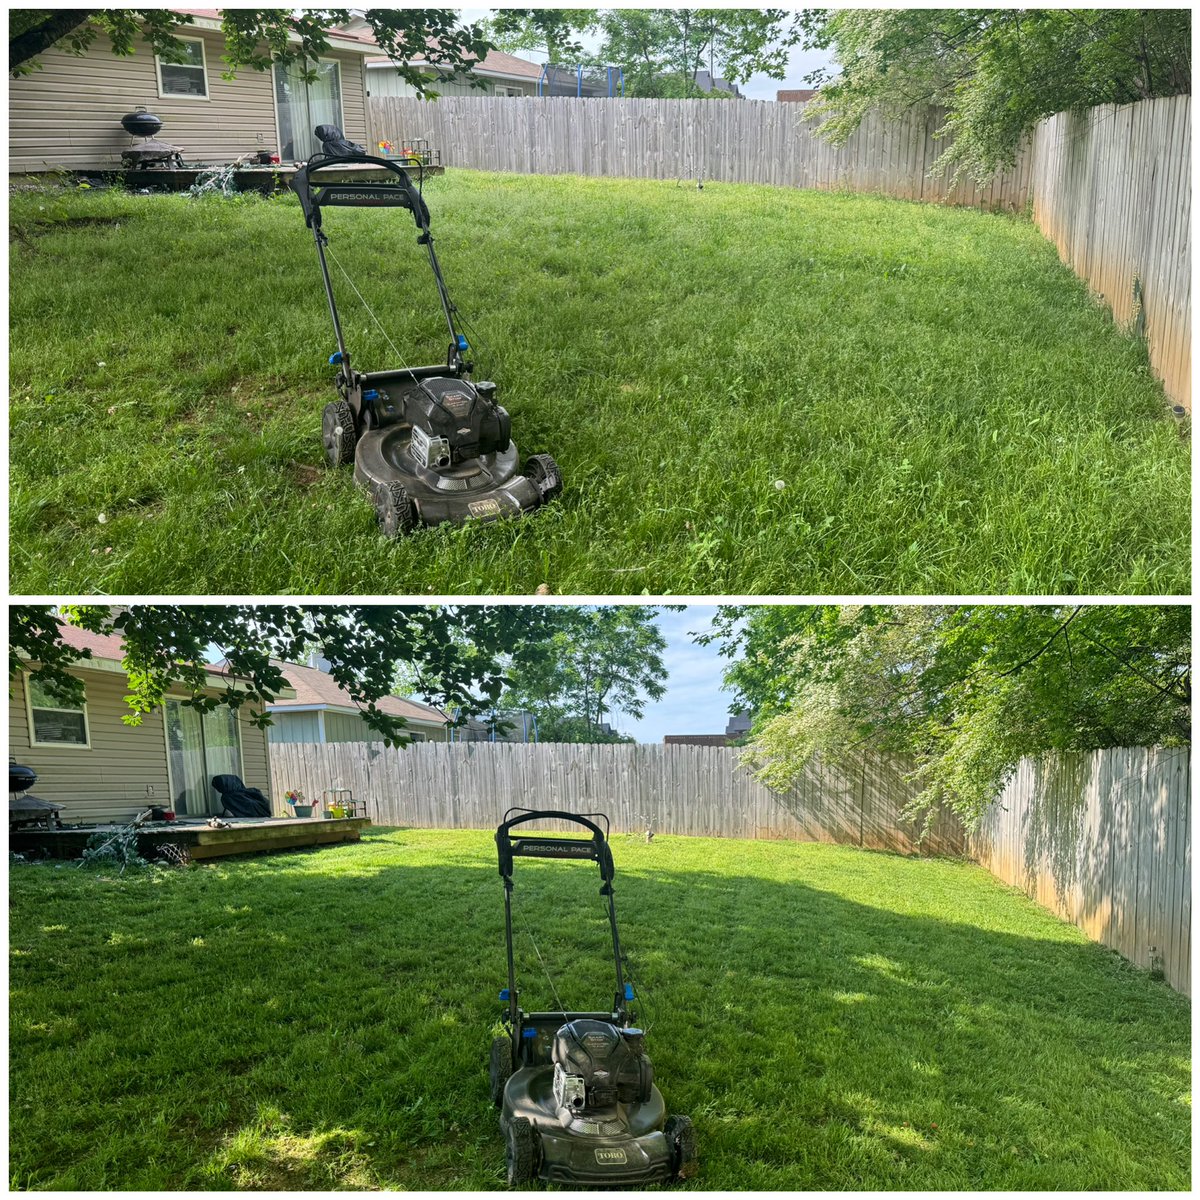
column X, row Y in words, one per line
column 56, row 26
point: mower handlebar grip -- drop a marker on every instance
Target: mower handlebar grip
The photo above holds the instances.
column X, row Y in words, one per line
column 599, row 837
column 302, row 182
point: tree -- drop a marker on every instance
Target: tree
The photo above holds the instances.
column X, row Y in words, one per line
column 254, row 37
column 596, row 661
column 458, row 655
column 997, row 72
column 663, row 50
column 967, row 691
column 551, row 29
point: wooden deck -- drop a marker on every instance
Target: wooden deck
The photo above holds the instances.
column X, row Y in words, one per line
column 249, row 179
column 245, row 836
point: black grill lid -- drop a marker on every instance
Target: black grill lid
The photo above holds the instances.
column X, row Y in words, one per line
column 141, row 124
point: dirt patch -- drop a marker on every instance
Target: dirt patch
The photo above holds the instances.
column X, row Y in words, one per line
column 305, row 475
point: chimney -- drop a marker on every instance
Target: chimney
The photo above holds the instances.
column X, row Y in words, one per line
column 318, row 661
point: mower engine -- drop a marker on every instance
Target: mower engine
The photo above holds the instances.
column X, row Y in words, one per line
column 597, row 1065
column 454, row 421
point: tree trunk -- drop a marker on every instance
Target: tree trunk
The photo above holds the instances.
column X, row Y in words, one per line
column 58, row 23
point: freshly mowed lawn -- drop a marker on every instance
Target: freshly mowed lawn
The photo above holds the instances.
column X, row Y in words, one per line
column 947, row 410
column 830, row 1018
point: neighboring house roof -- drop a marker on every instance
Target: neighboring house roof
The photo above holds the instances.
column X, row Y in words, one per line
column 695, row 739
column 317, row 689
column 796, row 95
column 710, row 83
column 495, row 63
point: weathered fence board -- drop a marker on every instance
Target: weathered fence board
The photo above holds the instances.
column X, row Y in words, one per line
column 748, row 141
column 1112, row 190
column 1102, row 840
column 696, row 790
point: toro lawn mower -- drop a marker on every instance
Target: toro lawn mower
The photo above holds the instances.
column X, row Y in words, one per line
column 426, row 443
column 575, row 1090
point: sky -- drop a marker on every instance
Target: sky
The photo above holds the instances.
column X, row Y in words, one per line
column 759, row 87
column 694, row 702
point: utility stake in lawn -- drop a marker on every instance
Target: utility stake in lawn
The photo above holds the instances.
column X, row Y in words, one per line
column 426, row 443
column 575, row 1089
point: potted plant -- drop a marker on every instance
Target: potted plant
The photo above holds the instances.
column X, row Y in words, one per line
column 299, row 806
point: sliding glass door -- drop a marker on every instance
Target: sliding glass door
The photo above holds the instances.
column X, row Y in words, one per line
column 199, row 746
column 303, row 106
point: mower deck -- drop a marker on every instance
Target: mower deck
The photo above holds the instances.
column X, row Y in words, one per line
column 617, row 1146
column 485, row 488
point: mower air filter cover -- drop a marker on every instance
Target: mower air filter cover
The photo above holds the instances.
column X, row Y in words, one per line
column 453, row 410
column 610, row 1067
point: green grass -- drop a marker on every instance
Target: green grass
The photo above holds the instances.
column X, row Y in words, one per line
column 947, row 409
column 829, row 1017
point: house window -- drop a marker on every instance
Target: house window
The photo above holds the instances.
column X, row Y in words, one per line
column 188, row 78
column 54, row 722
column 414, row 736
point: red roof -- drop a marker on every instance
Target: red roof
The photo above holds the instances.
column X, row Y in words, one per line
column 318, row 687
column 215, row 14
column 109, row 646
column 796, row 95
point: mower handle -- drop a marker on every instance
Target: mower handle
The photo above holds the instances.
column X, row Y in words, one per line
column 552, row 847
column 302, row 183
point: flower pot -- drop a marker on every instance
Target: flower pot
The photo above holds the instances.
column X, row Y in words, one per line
column 302, row 810
column 337, row 811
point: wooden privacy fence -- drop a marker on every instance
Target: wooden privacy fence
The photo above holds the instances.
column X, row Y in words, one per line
column 1112, row 189
column 698, row 790
column 744, row 141
column 1104, row 841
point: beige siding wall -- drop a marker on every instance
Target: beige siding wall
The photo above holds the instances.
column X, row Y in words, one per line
column 294, row 727
column 126, row 767
column 69, row 113
column 382, row 81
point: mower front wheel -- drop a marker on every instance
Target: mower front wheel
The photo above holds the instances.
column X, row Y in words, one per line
column 681, row 1137
column 546, row 477
column 521, row 1152
column 338, row 433
column 501, row 1067
column 394, row 509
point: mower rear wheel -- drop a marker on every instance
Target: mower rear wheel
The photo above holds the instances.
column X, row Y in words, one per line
column 544, row 472
column 501, row 1067
column 394, row 509
column 521, row 1152
column 681, row 1137
column 338, row 433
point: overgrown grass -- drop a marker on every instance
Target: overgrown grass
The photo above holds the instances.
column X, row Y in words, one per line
column 944, row 406
column 831, row 1018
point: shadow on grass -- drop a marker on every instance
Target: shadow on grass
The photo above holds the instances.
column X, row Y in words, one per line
column 314, row 1030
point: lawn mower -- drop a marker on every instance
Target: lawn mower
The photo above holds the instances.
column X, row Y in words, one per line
column 575, row 1090
column 426, row 443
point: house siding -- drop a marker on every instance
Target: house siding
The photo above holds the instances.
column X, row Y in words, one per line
column 68, row 114
column 339, row 727
column 126, row 767
column 384, row 82
column 294, row 727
